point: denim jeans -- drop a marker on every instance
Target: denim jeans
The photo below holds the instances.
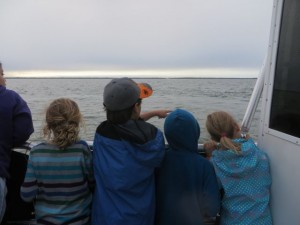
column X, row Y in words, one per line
column 3, row 192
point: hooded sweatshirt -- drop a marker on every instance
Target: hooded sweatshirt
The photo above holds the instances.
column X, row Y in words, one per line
column 187, row 188
column 246, row 180
column 15, row 126
column 124, row 158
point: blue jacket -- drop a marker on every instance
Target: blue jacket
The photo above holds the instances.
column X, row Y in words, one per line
column 246, row 180
column 187, row 188
column 124, row 159
column 15, row 126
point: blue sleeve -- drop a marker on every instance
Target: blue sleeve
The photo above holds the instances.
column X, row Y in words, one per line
column 212, row 197
column 154, row 151
column 88, row 168
column 29, row 187
column 22, row 122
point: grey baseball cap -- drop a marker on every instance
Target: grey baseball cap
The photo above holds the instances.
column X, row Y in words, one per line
column 122, row 93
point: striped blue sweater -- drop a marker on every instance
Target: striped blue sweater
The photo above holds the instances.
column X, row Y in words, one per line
column 60, row 182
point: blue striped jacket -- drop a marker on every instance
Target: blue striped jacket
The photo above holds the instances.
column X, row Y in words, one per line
column 61, row 183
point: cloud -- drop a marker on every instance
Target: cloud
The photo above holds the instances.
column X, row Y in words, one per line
column 102, row 34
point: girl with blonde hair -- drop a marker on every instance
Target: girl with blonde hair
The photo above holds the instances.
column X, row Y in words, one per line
column 59, row 176
column 243, row 171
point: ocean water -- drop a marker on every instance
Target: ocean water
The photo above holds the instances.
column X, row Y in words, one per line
column 199, row 96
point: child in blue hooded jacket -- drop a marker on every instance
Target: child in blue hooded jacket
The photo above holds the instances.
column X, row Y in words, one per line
column 187, row 188
column 126, row 152
column 243, row 171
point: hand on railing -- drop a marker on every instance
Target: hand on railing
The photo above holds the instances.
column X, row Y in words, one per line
column 209, row 147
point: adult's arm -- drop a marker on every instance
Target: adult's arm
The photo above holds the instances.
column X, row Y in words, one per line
column 22, row 122
column 29, row 187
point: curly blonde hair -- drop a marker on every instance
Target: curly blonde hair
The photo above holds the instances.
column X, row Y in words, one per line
column 63, row 119
column 221, row 126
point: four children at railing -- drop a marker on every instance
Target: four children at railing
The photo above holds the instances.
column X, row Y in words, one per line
column 129, row 153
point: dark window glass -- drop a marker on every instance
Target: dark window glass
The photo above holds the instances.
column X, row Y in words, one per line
column 285, row 108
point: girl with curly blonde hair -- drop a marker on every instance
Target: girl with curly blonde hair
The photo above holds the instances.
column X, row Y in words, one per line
column 63, row 119
column 59, row 175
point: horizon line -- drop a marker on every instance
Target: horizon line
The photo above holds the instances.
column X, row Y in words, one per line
column 138, row 73
column 131, row 78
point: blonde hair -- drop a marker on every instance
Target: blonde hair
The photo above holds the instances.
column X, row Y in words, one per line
column 63, row 119
column 221, row 126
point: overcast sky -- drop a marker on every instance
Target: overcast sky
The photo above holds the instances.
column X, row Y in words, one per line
column 133, row 34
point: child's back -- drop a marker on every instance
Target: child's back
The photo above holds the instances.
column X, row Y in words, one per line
column 59, row 176
column 126, row 152
column 246, row 181
column 187, row 189
column 60, row 179
column 243, row 170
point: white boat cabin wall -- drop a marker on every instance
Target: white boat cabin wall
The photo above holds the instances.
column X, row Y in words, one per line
column 279, row 133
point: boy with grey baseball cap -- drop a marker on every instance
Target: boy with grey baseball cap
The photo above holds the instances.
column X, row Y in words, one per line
column 121, row 93
column 126, row 152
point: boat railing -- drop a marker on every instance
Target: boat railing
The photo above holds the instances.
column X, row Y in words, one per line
column 26, row 148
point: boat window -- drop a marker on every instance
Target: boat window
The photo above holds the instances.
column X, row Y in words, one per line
column 285, row 108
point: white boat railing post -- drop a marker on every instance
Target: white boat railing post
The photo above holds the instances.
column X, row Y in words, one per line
column 255, row 97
